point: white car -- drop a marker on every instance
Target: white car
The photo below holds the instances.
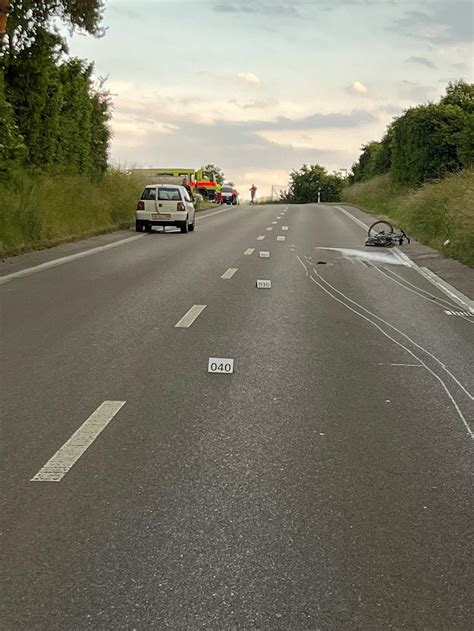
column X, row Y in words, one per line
column 165, row 205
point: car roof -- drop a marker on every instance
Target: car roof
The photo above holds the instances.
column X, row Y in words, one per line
column 164, row 186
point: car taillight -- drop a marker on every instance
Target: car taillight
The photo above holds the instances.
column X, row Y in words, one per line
column 141, row 206
column 180, row 207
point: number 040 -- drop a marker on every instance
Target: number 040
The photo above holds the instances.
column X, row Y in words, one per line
column 217, row 364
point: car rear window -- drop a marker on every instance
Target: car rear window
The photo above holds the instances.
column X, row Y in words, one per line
column 149, row 193
column 169, row 194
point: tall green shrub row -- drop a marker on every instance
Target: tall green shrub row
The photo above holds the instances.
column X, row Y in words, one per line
column 426, row 143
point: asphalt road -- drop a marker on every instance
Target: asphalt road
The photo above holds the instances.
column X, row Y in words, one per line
column 325, row 484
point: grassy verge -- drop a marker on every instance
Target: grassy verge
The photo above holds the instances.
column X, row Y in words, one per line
column 203, row 205
column 439, row 214
column 44, row 210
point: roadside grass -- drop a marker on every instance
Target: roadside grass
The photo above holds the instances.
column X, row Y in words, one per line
column 42, row 210
column 439, row 214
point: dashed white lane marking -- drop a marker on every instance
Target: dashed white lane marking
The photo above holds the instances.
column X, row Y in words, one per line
column 280, row 238
column 269, row 228
column 67, row 259
column 190, row 316
column 230, row 272
column 84, row 254
column 57, row 467
column 261, row 237
column 249, row 251
column 284, row 227
column 274, row 223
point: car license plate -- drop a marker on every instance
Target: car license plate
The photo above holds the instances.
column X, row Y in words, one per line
column 156, row 216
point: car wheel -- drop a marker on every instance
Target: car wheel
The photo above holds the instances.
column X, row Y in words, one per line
column 192, row 225
column 185, row 226
column 148, row 227
column 138, row 226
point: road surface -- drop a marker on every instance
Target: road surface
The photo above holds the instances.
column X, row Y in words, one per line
column 324, row 484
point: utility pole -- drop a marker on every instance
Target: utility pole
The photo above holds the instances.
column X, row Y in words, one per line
column 4, row 7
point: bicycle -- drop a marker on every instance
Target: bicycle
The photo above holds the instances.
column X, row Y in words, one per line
column 378, row 236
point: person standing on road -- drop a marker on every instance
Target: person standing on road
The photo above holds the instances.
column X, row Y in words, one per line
column 189, row 189
column 219, row 193
column 253, row 191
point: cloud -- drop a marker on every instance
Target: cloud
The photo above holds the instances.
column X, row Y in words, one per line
column 357, row 88
column 416, row 92
column 262, row 7
column 440, row 22
column 319, row 121
column 249, row 77
column 258, row 104
column 423, row 61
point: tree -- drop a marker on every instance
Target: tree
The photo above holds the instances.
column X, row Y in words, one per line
column 219, row 173
column 28, row 17
column 426, row 143
column 12, row 147
column 308, row 181
column 460, row 94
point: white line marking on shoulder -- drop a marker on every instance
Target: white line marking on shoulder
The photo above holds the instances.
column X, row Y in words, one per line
column 229, row 273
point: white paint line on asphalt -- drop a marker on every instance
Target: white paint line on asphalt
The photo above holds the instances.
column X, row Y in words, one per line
column 448, row 289
column 67, row 259
column 274, row 223
column 80, row 255
column 249, row 251
column 407, row 337
column 305, row 268
column 434, row 279
column 57, row 467
column 217, row 212
column 284, row 227
column 261, row 237
column 189, row 317
column 230, row 272
column 463, row 314
column 360, row 223
column 432, row 372
column 269, row 228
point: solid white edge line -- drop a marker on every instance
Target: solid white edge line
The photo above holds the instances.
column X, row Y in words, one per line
column 67, row 455
column 67, row 259
column 229, row 273
column 190, row 316
column 434, row 279
column 448, row 289
column 80, row 255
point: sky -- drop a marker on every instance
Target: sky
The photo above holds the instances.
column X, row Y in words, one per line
column 262, row 87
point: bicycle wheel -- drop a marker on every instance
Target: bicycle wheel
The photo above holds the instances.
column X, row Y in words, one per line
column 380, row 227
